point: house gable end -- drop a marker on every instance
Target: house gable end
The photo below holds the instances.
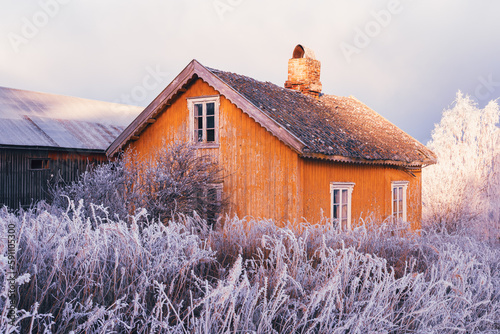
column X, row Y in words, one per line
column 178, row 86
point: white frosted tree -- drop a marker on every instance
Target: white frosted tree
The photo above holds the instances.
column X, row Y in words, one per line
column 463, row 189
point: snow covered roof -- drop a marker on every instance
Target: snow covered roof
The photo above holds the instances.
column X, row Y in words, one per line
column 40, row 119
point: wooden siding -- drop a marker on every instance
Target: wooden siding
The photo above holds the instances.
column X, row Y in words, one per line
column 22, row 186
column 371, row 194
column 261, row 173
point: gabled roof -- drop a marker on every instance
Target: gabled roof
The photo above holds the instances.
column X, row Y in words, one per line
column 333, row 128
column 47, row 120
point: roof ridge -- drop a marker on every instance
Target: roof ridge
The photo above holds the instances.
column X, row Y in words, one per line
column 211, row 69
column 66, row 96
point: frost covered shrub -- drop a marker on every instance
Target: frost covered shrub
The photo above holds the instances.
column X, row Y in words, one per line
column 176, row 179
column 461, row 191
column 104, row 184
column 245, row 276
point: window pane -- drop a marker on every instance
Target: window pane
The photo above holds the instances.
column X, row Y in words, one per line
column 344, row 196
column 394, row 206
column 344, row 211
column 210, row 108
column 199, row 134
column 336, row 196
column 198, row 109
column 400, row 193
column 36, row 164
column 401, row 206
column 210, row 122
column 335, row 211
column 210, row 135
column 395, row 193
column 39, row 164
column 199, row 124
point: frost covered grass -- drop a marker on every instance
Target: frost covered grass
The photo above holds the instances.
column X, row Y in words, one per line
column 99, row 275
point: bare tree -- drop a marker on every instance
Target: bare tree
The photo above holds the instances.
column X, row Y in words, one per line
column 176, row 179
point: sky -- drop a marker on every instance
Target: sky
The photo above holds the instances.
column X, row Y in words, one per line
column 404, row 59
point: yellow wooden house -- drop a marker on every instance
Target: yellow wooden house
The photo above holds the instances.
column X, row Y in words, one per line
column 288, row 153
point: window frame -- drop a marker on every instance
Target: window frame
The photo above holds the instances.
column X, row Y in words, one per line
column 218, row 188
column 349, row 186
column 45, row 164
column 404, row 214
column 192, row 101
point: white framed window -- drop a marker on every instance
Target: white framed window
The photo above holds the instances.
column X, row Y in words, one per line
column 214, row 192
column 204, row 120
column 398, row 195
column 212, row 202
column 341, row 194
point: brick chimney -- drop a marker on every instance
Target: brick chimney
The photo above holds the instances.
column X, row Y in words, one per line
column 304, row 71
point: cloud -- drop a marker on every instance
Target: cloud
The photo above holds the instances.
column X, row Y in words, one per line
column 409, row 72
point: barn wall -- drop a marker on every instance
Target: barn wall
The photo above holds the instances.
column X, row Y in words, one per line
column 371, row 193
column 20, row 185
column 261, row 173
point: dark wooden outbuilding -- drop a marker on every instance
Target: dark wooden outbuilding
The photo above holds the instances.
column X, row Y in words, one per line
column 45, row 136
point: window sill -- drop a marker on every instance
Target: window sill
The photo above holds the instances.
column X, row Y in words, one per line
column 206, row 145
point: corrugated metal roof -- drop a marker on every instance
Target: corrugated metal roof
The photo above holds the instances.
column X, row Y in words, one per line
column 41, row 119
